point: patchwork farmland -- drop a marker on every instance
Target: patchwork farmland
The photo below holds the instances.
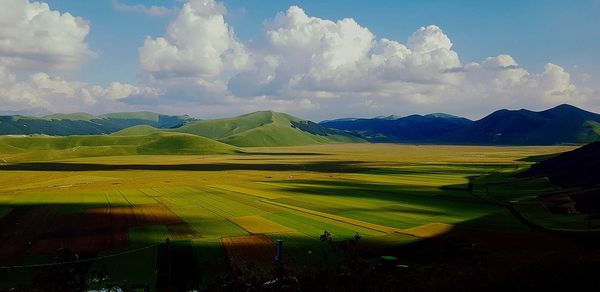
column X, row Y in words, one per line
column 223, row 211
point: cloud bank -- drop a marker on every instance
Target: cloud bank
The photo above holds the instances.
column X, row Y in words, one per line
column 302, row 64
column 47, row 43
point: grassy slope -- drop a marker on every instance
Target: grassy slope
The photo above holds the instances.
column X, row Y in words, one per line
column 48, row 148
column 73, row 116
column 150, row 116
column 259, row 129
column 136, row 131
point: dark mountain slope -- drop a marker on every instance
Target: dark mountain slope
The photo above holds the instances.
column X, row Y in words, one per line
column 414, row 128
column 558, row 125
column 577, row 168
column 564, row 124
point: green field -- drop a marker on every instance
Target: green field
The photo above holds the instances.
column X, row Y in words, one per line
column 383, row 192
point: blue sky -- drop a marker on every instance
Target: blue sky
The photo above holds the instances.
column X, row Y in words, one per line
column 533, row 32
column 466, row 33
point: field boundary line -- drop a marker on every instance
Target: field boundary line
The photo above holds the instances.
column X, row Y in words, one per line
column 246, row 191
column 83, row 260
column 362, row 224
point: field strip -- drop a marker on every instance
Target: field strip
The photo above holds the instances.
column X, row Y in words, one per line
column 255, row 224
column 169, row 202
column 366, row 225
column 246, row 191
column 429, row 230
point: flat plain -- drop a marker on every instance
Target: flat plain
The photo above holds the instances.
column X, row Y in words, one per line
column 391, row 195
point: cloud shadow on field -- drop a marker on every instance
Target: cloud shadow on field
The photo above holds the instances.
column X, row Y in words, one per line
column 321, row 166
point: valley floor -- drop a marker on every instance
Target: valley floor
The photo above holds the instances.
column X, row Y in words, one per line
column 223, row 213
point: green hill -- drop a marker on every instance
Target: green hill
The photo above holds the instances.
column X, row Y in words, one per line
column 73, row 117
column 86, row 124
column 266, row 128
column 180, row 143
column 48, row 148
column 136, row 131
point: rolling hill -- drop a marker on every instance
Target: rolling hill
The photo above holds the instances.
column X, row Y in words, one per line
column 266, row 128
column 85, row 124
column 564, row 124
column 414, row 128
column 34, row 148
column 577, row 168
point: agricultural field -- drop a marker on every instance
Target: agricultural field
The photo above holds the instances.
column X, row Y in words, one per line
column 223, row 212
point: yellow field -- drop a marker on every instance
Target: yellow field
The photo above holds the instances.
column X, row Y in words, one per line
column 389, row 194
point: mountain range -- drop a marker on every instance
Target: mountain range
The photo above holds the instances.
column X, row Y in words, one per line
column 85, row 124
column 564, row 124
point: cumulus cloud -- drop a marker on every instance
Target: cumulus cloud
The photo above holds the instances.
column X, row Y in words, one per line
column 151, row 10
column 307, row 55
column 198, row 44
column 38, row 40
column 301, row 64
column 32, row 36
column 336, row 66
column 58, row 94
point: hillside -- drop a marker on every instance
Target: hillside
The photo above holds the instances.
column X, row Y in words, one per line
column 577, row 168
column 558, row 125
column 50, row 148
column 137, row 131
column 85, row 124
column 414, row 128
column 266, row 128
column 564, row 124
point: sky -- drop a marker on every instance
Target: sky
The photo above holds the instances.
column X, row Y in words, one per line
column 314, row 59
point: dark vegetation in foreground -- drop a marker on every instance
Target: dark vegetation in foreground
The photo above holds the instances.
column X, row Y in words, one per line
column 466, row 259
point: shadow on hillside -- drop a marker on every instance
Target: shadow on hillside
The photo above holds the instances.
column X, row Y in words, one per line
column 321, row 166
column 539, row 158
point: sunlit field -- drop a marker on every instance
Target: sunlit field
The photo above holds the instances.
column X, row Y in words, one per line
column 224, row 212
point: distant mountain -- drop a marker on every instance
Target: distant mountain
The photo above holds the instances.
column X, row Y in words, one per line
column 558, row 125
column 32, row 112
column 576, row 168
column 564, row 124
column 85, row 124
column 414, row 128
column 266, row 128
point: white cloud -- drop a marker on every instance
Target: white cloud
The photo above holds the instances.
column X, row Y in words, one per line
column 60, row 95
column 151, row 10
column 32, row 36
column 302, row 64
column 307, row 55
column 198, row 44
column 335, row 66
